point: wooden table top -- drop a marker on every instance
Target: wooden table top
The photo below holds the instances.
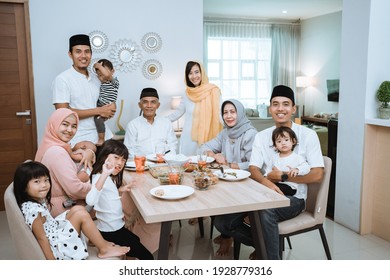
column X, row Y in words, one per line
column 222, row 198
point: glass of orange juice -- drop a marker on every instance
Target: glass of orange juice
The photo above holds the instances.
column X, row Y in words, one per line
column 202, row 158
column 160, row 151
column 139, row 160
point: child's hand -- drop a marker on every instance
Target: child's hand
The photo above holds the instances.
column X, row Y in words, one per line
column 108, row 167
column 293, row 172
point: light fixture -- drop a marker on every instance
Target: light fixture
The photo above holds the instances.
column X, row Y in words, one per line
column 302, row 82
column 175, row 102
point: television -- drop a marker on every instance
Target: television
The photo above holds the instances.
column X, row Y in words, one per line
column 333, row 90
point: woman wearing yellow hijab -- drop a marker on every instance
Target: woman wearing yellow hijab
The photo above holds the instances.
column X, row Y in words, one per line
column 201, row 106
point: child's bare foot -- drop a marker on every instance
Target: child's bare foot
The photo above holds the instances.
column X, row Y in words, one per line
column 111, row 250
column 225, row 246
column 218, row 239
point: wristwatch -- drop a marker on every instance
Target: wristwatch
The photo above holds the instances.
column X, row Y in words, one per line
column 284, row 177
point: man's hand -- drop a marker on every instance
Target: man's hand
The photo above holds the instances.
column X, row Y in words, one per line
column 107, row 111
column 274, row 175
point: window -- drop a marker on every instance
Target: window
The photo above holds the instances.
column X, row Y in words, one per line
column 241, row 68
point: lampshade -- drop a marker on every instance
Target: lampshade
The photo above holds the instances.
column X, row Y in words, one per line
column 301, row 81
column 175, row 102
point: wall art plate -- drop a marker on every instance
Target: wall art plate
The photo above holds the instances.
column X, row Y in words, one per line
column 125, row 55
column 152, row 69
column 99, row 41
column 151, row 42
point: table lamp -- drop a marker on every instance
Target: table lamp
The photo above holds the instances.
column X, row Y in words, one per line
column 175, row 102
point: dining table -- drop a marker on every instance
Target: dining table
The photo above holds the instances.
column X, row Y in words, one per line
column 226, row 196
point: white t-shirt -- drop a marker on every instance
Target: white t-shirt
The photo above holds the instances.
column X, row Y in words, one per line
column 81, row 93
column 308, row 147
column 140, row 134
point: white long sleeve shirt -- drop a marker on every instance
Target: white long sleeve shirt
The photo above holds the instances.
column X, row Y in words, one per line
column 107, row 204
column 140, row 134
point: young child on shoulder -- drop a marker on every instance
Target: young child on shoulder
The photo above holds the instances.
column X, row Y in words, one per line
column 108, row 92
column 104, row 196
column 290, row 163
column 59, row 238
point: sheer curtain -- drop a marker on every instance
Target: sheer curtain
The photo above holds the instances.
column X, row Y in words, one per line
column 273, row 62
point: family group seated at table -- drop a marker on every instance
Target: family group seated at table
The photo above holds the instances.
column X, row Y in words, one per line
column 77, row 173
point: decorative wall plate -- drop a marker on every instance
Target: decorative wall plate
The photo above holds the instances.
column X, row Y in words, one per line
column 151, row 42
column 125, row 55
column 99, row 41
column 152, row 69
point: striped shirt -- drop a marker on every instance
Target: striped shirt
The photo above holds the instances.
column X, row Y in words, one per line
column 108, row 92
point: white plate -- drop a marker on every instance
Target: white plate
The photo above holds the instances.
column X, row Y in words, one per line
column 151, row 157
column 130, row 165
column 172, row 192
column 194, row 159
column 241, row 174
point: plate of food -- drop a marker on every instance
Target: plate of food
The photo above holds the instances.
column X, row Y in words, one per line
column 172, row 192
column 194, row 159
column 232, row 174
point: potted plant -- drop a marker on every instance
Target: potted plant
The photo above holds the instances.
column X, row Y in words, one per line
column 383, row 95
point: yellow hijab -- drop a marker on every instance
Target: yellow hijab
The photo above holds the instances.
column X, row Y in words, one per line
column 205, row 118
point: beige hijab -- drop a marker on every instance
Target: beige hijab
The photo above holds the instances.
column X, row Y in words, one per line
column 50, row 137
column 205, row 120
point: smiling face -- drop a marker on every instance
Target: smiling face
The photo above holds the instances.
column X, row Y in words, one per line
column 229, row 115
column 149, row 106
column 117, row 161
column 67, row 128
column 281, row 110
column 195, row 75
column 81, row 57
column 37, row 188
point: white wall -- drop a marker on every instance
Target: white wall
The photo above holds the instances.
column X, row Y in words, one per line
column 365, row 61
column 179, row 23
column 320, row 47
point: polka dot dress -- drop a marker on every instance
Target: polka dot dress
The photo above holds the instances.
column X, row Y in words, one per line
column 64, row 240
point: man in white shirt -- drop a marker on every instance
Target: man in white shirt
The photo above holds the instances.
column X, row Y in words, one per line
column 146, row 131
column 78, row 90
column 282, row 108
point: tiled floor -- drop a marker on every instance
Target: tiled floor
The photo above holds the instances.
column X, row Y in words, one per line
column 344, row 244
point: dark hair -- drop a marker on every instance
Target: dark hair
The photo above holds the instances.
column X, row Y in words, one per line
column 189, row 66
column 110, row 147
column 280, row 131
column 106, row 63
column 23, row 174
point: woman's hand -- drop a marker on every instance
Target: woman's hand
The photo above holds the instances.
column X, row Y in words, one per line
column 293, row 172
column 220, row 158
column 88, row 158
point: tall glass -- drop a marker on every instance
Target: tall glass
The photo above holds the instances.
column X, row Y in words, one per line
column 160, row 152
column 202, row 158
column 139, row 160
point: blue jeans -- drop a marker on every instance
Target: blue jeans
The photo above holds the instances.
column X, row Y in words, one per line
column 232, row 225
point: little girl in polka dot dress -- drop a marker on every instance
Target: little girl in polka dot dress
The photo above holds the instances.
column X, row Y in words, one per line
column 60, row 237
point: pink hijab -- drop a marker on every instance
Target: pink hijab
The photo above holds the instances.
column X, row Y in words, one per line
column 50, row 137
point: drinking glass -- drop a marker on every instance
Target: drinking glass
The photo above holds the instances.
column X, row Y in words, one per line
column 139, row 163
column 202, row 158
column 160, row 152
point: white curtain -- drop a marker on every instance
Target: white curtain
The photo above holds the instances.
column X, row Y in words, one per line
column 284, row 52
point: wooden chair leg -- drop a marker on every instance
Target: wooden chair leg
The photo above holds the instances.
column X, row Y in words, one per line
column 180, row 223
column 325, row 242
column 201, row 227
column 236, row 249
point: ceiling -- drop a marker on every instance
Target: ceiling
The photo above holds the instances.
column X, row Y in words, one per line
column 270, row 9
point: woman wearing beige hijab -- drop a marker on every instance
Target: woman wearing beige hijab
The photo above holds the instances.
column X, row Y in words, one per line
column 201, row 106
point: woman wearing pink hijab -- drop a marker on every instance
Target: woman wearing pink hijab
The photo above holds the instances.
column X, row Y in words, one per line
column 54, row 152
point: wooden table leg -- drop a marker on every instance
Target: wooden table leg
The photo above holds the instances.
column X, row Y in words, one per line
column 257, row 235
column 163, row 250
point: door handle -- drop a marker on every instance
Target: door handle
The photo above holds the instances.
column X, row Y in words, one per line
column 25, row 113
